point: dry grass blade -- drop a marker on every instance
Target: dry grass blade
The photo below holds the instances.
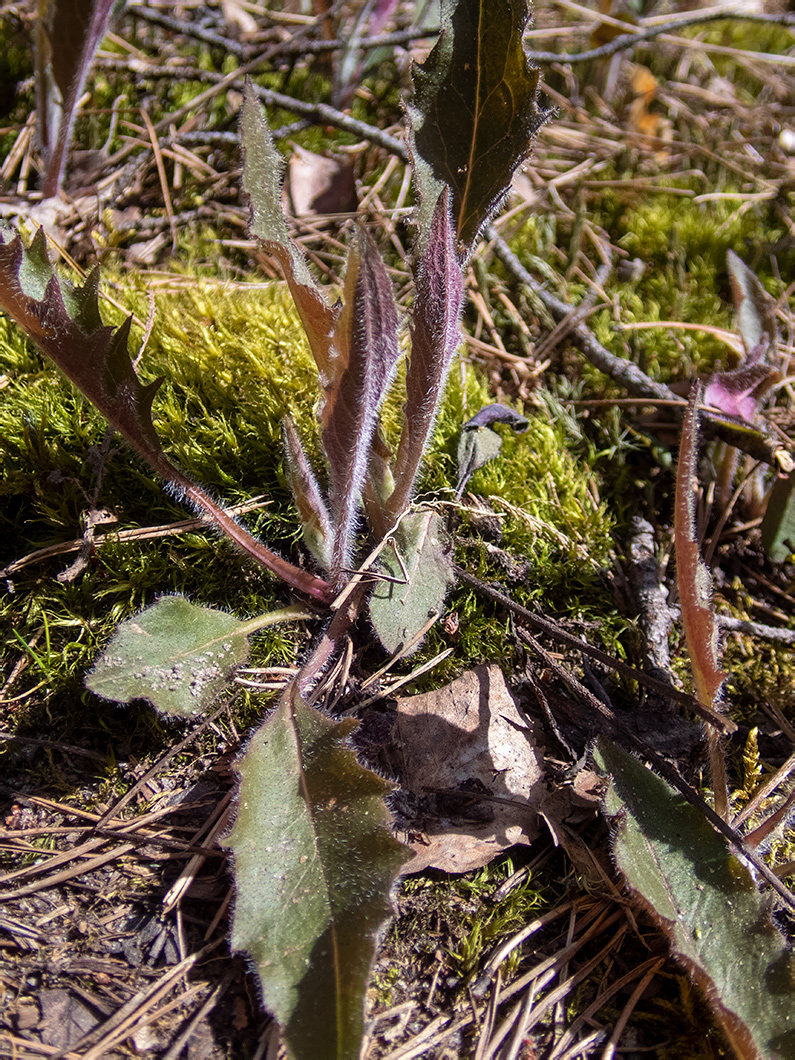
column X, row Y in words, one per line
column 124, row 1020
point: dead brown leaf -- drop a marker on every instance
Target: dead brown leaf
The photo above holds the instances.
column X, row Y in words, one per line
column 471, row 757
column 318, row 185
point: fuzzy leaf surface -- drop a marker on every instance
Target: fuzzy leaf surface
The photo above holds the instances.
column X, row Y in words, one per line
column 474, row 112
column 64, row 322
column 367, row 352
column 315, row 519
column 742, row 391
column 68, row 33
column 693, row 579
column 706, row 903
column 178, row 655
column 422, row 578
column 263, row 170
column 314, row 867
column 435, row 337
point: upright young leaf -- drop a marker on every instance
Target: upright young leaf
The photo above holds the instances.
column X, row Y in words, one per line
column 366, row 355
column 693, row 579
column 314, row 866
column 694, row 583
column 68, row 33
column 312, row 508
column 474, row 112
column 707, row 904
column 263, row 168
column 64, row 322
column 434, row 341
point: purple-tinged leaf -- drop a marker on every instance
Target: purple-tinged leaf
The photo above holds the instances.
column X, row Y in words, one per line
column 755, row 311
column 311, row 505
column 692, row 576
column 65, row 323
column 695, row 597
column 434, row 340
column 474, row 113
column 497, row 413
column 380, row 14
column 741, row 392
column 367, row 348
column 263, row 168
column 314, row 867
column 68, row 33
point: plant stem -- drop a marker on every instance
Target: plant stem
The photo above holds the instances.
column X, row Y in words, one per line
column 296, row 613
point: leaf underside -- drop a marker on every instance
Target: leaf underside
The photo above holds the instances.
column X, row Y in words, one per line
column 474, row 112
column 314, row 865
column 315, row 520
column 177, row 655
column 421, row 579
column 706, row 903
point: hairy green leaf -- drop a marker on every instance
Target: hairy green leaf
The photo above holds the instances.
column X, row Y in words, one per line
column 778, row 524
column 67, row 34
column 314, row 864
column 706, row 902
column 479, row 443
column 474, row 112
column 419, row 563
column 176, row 654
column 64, row 322
column 475, row 448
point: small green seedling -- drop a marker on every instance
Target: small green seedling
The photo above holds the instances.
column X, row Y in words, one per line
column 314, row 859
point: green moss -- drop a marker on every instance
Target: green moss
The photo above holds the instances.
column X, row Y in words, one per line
column 682, row 243
column 234, row 361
